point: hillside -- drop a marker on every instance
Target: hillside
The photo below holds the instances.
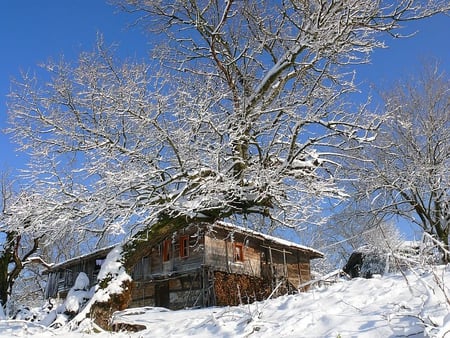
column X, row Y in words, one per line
column 389, row 306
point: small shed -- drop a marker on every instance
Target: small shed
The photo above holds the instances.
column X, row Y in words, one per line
column 62, row 276
column 203, row 265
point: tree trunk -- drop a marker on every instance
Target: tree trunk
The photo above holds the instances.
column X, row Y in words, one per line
column 101, row 312
column 12, row 263
column 443, row 238
column 5, row 259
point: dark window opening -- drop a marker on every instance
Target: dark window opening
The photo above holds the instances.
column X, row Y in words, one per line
column 184, row 246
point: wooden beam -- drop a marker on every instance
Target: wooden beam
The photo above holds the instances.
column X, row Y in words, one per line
column 284, row 250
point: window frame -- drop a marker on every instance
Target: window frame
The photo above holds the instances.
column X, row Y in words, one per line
column 184, row 246
column 238, row 253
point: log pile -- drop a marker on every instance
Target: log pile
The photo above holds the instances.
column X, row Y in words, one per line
column 235, row 289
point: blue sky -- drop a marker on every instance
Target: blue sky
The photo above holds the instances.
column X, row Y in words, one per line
column 32, row 31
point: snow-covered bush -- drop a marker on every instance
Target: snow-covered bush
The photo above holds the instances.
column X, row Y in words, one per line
column 369, row 259
column 76, row 298
column 78, row 294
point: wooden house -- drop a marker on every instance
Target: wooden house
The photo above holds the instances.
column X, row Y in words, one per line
column 203, row 265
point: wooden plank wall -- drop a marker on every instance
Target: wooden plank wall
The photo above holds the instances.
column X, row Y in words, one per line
column 265, row 260
column 66, row 278
column 288, row 263
column 227, row 280
column 183, row 291
column 219, row 254
column 153, row 265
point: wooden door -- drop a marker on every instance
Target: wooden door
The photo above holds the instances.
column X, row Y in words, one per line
column 162, row 294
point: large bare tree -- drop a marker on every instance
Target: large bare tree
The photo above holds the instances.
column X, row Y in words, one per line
column 242, row 113
column 245, row 116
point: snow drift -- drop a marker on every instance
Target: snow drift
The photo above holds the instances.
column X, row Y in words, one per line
column 415, row 304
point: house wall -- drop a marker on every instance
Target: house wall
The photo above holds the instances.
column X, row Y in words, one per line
column 292, row 264
column 299, row 272
column 153, row 265
column 176, row 292
column 269, row 262
column 176, row 283
column 210, row 273
column 220, row 253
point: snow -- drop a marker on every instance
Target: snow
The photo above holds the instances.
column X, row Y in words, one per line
column 82, row 282
column 74, row 300
column 412, row 305
column 111, row 267
column 81, row 257
column 80, row 297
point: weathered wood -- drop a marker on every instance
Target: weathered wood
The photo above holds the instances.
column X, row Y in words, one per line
column 216, row 250
column 141, row 245
column 145, row 240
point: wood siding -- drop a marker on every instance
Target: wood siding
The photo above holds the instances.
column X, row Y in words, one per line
column 177, row 292
column 286, row 263
column 220, row 253
column 61, row 280
column 152, row 266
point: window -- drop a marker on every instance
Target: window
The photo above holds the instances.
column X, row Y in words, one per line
column 97, row 267
column 238, row 252
column 98, row 264
column 166, row 250
column 184, row 246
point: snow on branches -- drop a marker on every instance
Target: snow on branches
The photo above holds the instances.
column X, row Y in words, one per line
column 245, row 115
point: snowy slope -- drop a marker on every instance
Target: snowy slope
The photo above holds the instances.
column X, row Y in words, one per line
column 389, row 306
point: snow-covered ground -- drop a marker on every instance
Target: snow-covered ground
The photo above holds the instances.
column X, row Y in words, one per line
column 389, row 306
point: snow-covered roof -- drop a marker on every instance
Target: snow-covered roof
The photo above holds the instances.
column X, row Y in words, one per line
column 314, row 253
column 98, row 252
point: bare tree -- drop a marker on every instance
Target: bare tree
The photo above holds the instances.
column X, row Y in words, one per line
column 244, row 116
column 15, row 247
column 406, row 173
column 31, row 228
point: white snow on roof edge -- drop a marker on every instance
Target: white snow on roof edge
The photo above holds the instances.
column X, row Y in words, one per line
column 273, row 239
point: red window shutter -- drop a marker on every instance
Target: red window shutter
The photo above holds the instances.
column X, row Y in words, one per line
column 166, row 250
column 184, row 246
